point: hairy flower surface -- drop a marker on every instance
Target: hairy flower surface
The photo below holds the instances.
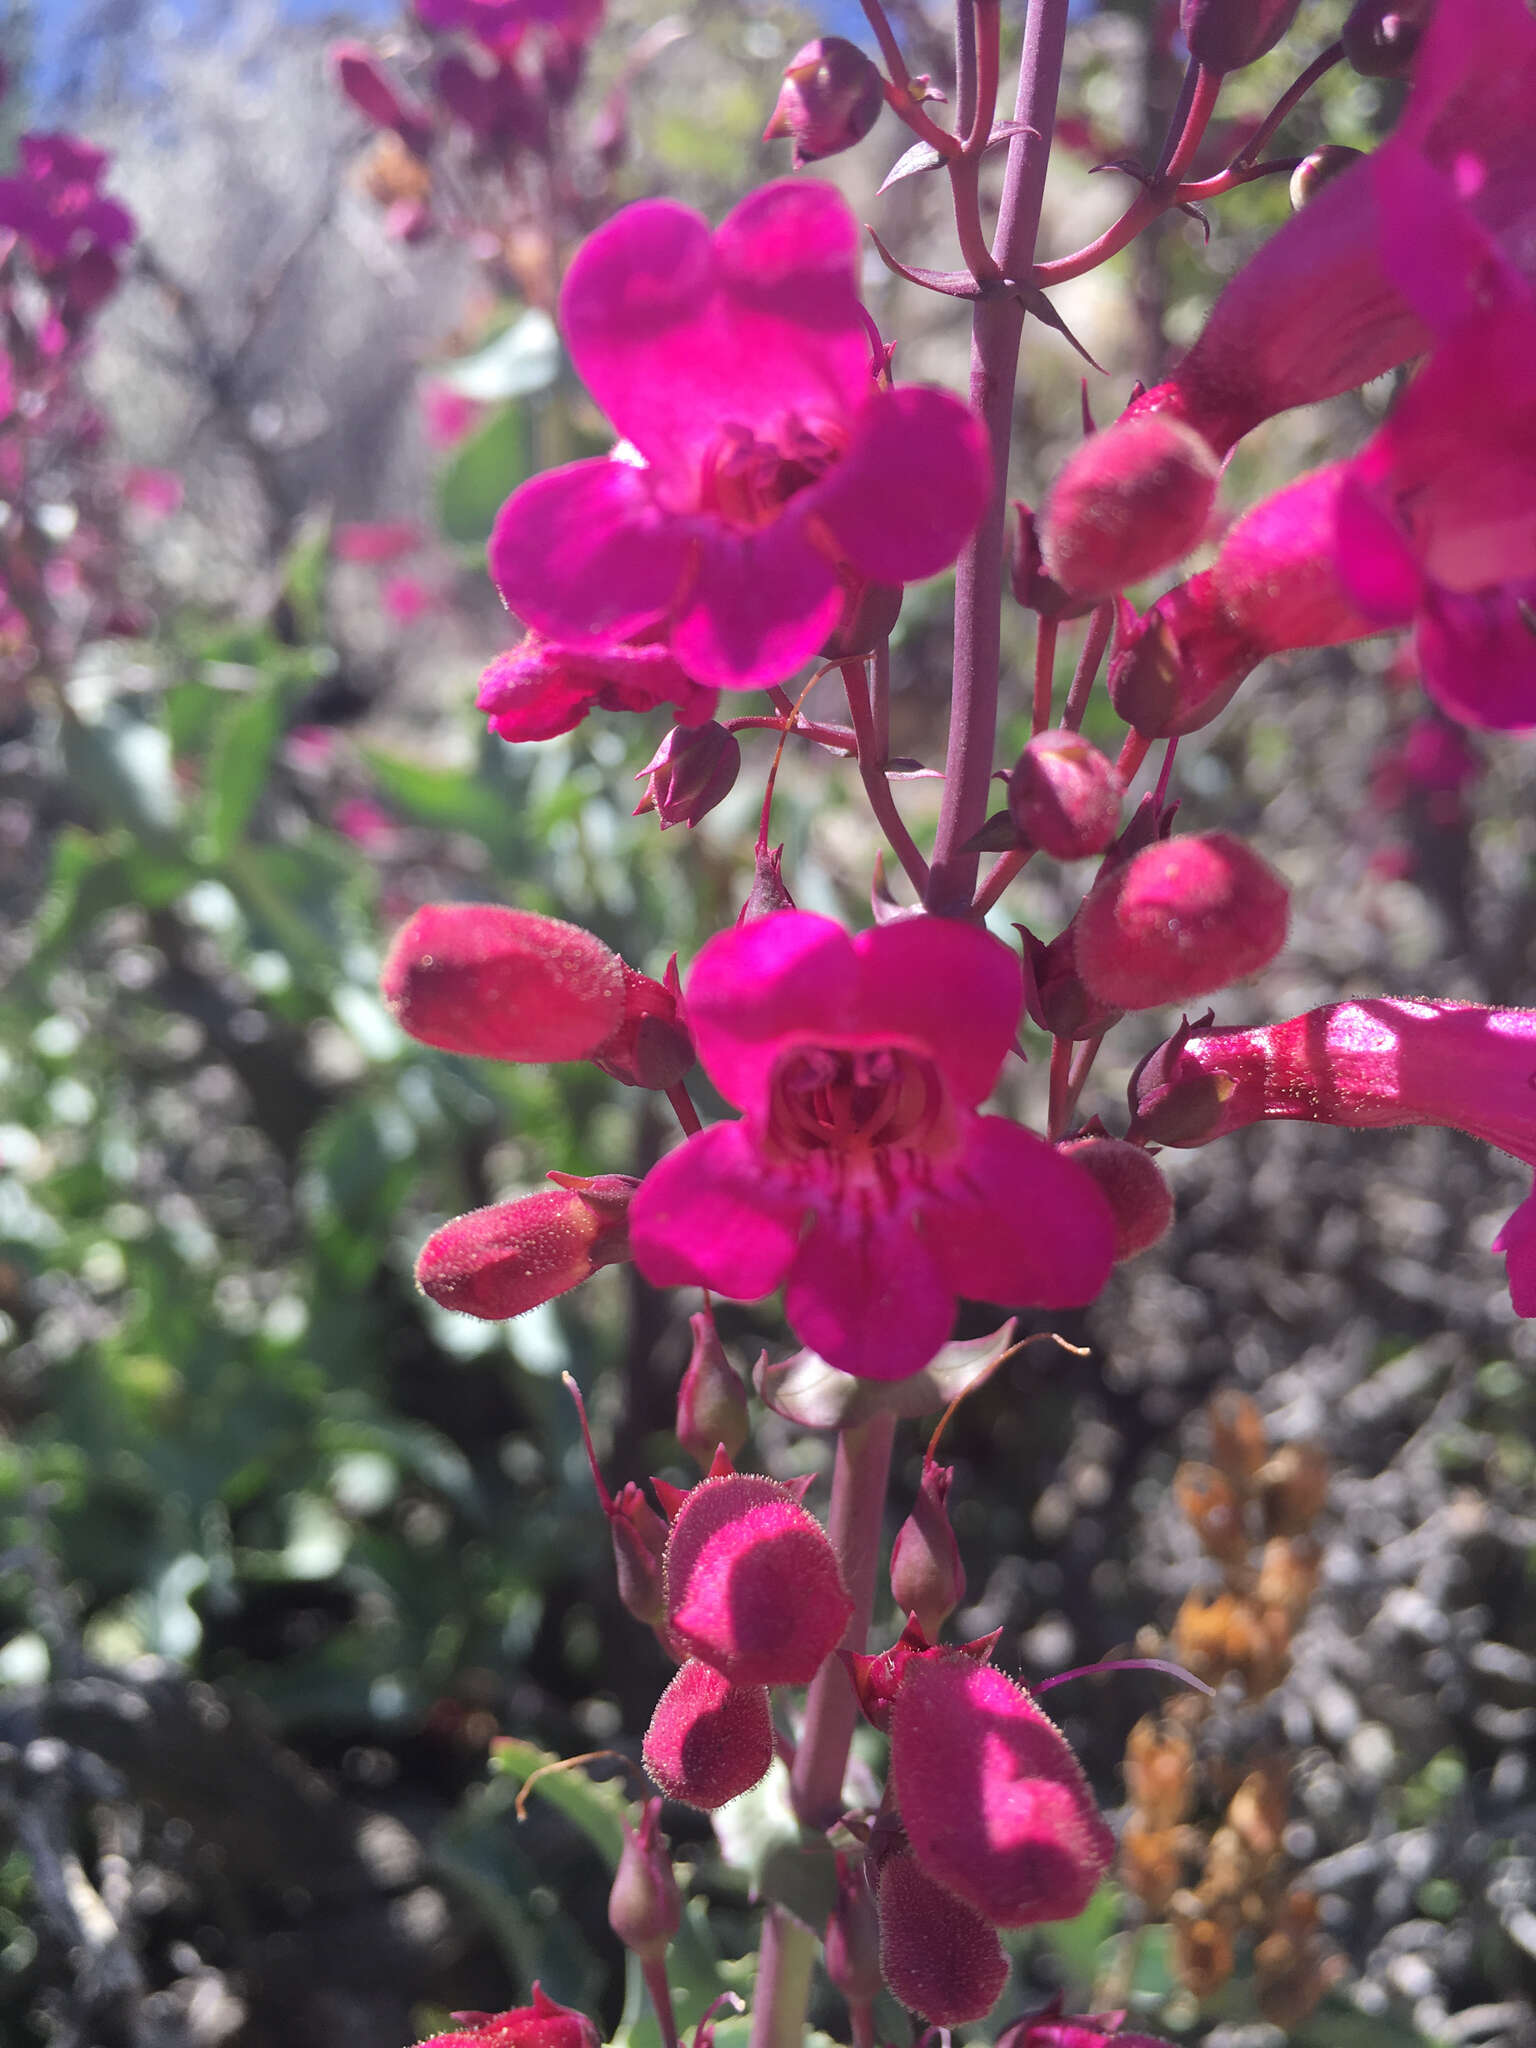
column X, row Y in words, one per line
column 541, row 688
column 860, row 1177
column 761, row 460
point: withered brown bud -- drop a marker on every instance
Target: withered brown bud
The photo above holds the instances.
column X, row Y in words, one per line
column 1209, row 1503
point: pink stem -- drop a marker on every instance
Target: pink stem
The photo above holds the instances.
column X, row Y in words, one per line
column 899, row 89
column 872, row 774
column 654, row 1971
column 997, row 326
column 1086, row 673
column 1005, row 869
column 1045, row 675
column 840, row 736
column 682, row 1102
column 1290, row 98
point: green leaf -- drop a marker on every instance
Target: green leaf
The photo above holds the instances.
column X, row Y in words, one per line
column 304, row 574
column 122, row 763
column 243, row 745
column 760, row 1836
column 483, row 473
column 525, row 359
column 595, row 1809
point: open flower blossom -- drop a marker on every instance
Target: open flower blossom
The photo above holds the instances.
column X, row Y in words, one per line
column 761, row 472
column 1432, row 524
column 1329, row 302
column 1367, row 1065
column 860, row 1177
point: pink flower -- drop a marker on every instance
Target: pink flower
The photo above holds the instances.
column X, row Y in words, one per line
column 541, row 688
column 376, row 540
column 55, row 205
column 763, row 470
column 860, row 1176
column 158, row 492
column 500, row 23
column 448, row 415
column 407, row 599
column 544, row 2024
column 1365, row 1065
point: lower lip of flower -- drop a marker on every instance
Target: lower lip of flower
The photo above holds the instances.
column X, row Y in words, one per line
column 859, row 1108
column 747, row 480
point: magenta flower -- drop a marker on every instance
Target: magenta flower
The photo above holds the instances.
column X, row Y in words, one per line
column 540, row 688
column 860, row 1177
column 1365, row 1065
column 55, row 206
column 764, row 471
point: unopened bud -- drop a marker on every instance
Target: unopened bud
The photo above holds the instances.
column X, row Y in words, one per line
column 645, row 1907
column 1133, row 498
column 711, row 1401
column 544, row 2024
column 938, row 1955
column 927, row 1577
column 877, row 1680
column 1181, row 918
column 1175, row 1100
column 1064, row 796
column 753, row 1585
column 709, row 1741
column 1225, row 35
column 377, row 97
column 503, row 984
column 652, row 1047
column 1319, row 169
column 1055, row 996
column 994, row 1803
column 1033, row 589
column 1175, row 668
column 506, row 1259
column 1381, row 37
column 769, row 892
column 852, row 1953
column 1130, row 1180
column 639, row 1534
column 1209, row 1502
column 693, row 769
column 830, row 99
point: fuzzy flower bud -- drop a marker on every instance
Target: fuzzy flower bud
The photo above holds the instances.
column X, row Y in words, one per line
column 1131, row 1182
column 753, row 1585
column 693, row 769
column 512, row 1256
column 927, row 1577
column 377, row 97
column 1033, row 589
column 1178, row 665
column 1064, row 796
column 501, row 984
column 645, row 1908
column 1181, row 918
column 709, row 1741
column 1224, row 35
column 852, row 1952
column 1381, row 37
column 544, row 2024
column 938, row 1955
column 1127, row 502
column 994, row 1803
column 651, row 1048
column 711, row 1401
column 1055, row 995
column 830, row 99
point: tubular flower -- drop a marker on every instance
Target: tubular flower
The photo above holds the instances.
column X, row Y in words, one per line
column 761, row 469
column 1336, row 297
column 1366, row 1065
column 860, row 1177
column 540, row 688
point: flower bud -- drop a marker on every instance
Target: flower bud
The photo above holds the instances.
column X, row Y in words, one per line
column 769, row 891
column 1131, row 1182
column 709, row 1741
column 1128, row 502
column 852, row 1951
column 1064, row 796
column 830, row 99
column 994, row 1803
column 877, row 1680
column 1180, row 664
column 651, row 1048
column 645, row 1908
column 502, row 984
column 544, row 2024
column 497, row 105
column 693, row 769
column 711, row 1401
column 1174, row 1099
column 870, row 612
column 938, row 1955
column 1319, row 169
column 753, row 1585
column 1055, row 996
column 638, row 1533
column 1182, row 917
column 1381, row 37
column 927, row 1577
column 1032, row 588
column 1225, row 35
column 510, row 1257
column 376, row 96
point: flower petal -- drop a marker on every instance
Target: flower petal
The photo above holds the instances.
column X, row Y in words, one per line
column 1517, row 1242
column 676, row 332
column 1017, row 1223
column 761, row 605
column 866, row 1294
column 911, row 486
column 584, row 554
column 953, row 989
column 705, row 1215
column 789, row 979
column 1477, row 655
